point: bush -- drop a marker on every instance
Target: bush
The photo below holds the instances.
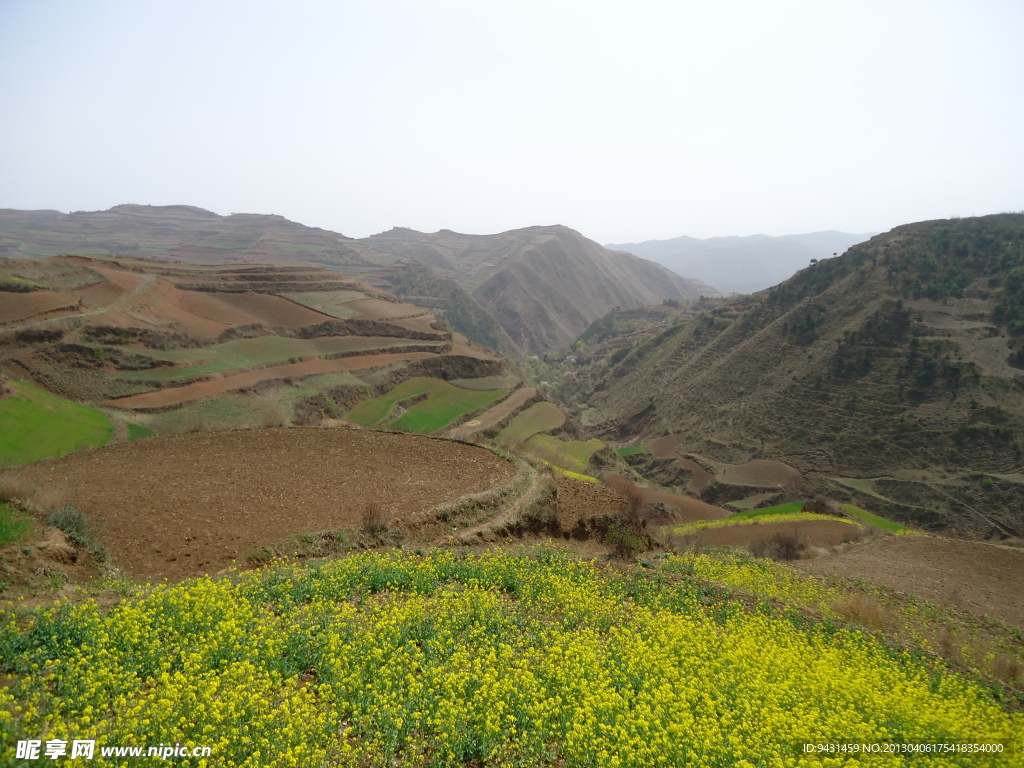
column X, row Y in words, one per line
column 788, row 546
column 76, row 526
column 781, row 546
column 625, row 544
column 627, row 534
column 374, row 520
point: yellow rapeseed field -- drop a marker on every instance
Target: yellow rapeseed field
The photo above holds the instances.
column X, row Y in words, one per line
column 394, row 659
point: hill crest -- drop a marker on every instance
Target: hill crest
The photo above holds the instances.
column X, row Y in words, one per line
column 544, row 284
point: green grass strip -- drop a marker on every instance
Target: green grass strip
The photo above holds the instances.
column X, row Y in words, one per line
column 778, row 509
column 728, row 522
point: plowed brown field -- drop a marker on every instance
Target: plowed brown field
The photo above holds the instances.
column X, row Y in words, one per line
column 380, row 309
column 181, row 506
column 274, row 311
column 815, row 533
column 665, row 447
column 686, row 508
column 984, row 579
column 761, row 473
column 500, row 412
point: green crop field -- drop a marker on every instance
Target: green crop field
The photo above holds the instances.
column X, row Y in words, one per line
column 443, row 404
column 778, row 509
column 246, row 353
column 331, row 303
column 630, row 450
column 35, row 425
column 862, row 515
column 872, row 519
column 443, row 660
column 572, row 455
column 539, row 417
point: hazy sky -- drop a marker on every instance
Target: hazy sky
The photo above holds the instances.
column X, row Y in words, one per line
column 627, row 121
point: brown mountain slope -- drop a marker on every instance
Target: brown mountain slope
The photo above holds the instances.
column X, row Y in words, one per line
column 187, row 233
column 544, row 285
column 891, row 375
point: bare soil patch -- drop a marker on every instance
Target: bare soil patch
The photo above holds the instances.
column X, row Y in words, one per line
column 186, row 505
column 984, row 579
column 814, row 533
column 210, row 307
column 177, row 395
column 160, row 303
column 101, row 294
column 379, row 309
column 274, row 310
column 423, row 323
column 688, row 510
column 665, row 447
column 21, row 306
column 579, row 501
column 463, row 346
column 760, row 473
column 700, row 478
column 120, row 279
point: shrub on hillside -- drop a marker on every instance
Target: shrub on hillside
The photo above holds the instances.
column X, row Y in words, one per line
column 627, row 534
column 781, row 546
column 374, row 519
column 76, row 526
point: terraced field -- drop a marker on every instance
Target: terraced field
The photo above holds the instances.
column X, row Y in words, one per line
column 573, row 455
column 539, row 417
column 494, row 416
column 177, row 395
column 759, row 473
column 443, row 404
column 178, row 347
column 333, row 303
column 630, row 450
column 241, row 354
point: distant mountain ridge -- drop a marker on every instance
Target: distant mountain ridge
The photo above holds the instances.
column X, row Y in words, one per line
column 526, row 291
column 544, row 284
column 191, row 234
column 743, row 264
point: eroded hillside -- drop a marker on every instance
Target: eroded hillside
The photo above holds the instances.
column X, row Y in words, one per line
column 891, row 375
column 544, row 285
